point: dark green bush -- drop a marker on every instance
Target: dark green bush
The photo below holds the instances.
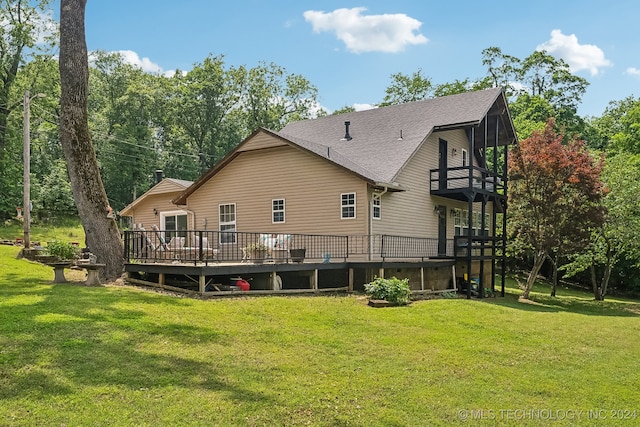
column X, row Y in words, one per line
column 394, row 290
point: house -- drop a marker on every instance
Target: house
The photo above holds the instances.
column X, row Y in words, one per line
column 155, row 206
column 429, row 176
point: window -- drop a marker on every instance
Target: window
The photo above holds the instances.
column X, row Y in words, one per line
column 174, row 224
column 277, row 210
column 348, row 206
column 465, row 158
column 227, row 223
column 461, row 223
column 376, row 212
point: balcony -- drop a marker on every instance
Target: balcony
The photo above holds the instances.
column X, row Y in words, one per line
column 464, row 182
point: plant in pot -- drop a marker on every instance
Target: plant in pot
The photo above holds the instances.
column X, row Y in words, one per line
column 297, row 255
column 257, row 252
column 62, row 251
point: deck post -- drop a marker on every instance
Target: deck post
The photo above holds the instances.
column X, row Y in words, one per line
column 453, row 277
column 314, row 279
column 201, row 283
column 161, row 279
column 422, row 278
column 381, row 273
column 274, row 283
column 351, row 280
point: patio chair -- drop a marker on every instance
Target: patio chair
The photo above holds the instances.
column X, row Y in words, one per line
column 147, row 248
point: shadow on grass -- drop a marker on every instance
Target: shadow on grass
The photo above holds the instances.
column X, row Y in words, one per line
column 575, row 302
column 55, row 338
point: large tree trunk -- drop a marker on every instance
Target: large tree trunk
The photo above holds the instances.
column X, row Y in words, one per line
column 537, row 265
column 102, row 235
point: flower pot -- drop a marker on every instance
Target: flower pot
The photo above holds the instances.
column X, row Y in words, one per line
column 257, row 256
column 297, row 255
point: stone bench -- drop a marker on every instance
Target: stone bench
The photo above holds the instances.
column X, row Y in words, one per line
column 93, row 271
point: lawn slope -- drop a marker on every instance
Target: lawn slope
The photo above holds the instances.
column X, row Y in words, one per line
column 116, row 355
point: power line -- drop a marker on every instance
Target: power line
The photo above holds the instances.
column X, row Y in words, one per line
column 113, row 138
column 163, row 151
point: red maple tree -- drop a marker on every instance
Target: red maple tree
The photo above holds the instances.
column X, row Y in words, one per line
column 553, row 196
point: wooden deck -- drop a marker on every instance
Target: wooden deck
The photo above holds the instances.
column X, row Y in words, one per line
column 282, row 278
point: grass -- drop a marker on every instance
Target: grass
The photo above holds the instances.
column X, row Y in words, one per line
column 67, row 230
column 72, row 355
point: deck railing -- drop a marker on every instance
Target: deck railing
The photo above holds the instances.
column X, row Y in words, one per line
column 230, row 246
column 200, row 246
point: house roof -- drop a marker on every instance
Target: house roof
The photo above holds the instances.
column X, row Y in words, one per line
column 376, row 148
column 167, row 185
column 383, row 139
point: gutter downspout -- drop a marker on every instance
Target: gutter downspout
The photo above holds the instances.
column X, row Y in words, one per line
column 386, row 189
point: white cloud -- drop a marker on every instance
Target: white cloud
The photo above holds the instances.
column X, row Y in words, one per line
column 362, row 107
column 131, row 57
column 371, row 33
column 633, row 71
column 578, row 56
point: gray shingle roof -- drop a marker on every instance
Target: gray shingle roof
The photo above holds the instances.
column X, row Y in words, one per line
column 375, row 151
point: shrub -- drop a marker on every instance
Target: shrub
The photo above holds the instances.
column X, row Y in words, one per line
column 394, row 290
column 62, row 250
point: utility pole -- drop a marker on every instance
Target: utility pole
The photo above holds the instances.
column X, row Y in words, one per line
column 27, row 167
column 27, row 171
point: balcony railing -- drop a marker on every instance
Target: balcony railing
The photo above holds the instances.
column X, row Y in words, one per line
column 481, row 246
column 458, row 179
column 200, row 246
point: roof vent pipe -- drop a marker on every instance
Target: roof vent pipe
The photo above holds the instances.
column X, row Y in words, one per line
column 158, row 175
column 347, row 137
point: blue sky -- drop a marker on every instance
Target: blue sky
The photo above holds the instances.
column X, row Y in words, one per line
column 349, row 49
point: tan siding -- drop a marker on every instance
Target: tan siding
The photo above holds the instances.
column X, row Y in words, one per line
column 310, row 186
column 261, row 141
column 165, row 186
column 411, row 213
column 143, row 211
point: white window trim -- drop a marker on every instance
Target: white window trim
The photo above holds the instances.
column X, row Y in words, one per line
column 164, row 215
column 221, row 223
column 465, row 157
column 461, row 221
column 342, row 206
column 274, row 211
column 376, row 198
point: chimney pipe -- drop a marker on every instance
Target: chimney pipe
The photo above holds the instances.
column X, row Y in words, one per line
column 158, row 175
column 347, row 137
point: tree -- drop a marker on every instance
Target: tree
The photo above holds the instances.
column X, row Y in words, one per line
column 553, row 196
column 461, row 86
column 345, row 109
column 272, row 98
column 539, row 75
column 23, row 37
column 502, row 69
column 102, row 235
column 20, row 28
column 200, row 103
column 406, row 88
column 617, row 237
column 530, row 113
column 123, row 104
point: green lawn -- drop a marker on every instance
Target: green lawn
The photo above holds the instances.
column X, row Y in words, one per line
column 72, row 355
column 68, row 230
